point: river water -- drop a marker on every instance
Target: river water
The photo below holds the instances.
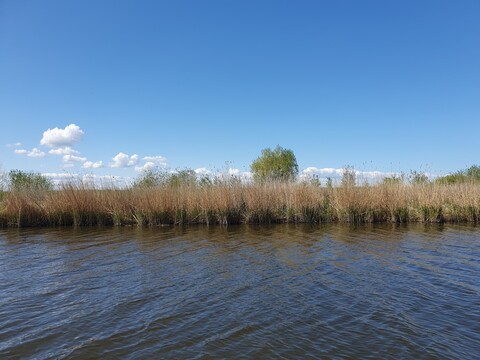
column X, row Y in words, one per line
column 280, row 292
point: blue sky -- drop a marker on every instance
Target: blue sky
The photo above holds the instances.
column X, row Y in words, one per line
column 379, row 85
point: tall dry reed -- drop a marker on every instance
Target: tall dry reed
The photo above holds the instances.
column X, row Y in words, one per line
column 235, row 203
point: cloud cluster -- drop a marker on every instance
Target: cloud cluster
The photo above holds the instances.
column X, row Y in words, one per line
column 236, row 173
column 122, row 160
column 61, row 141
column 73, row 158
column 34, row 153
column 157, row 160
column 57, row 138
column 202, row 172
column 151, row 163
column 96, row 181
column 92, row 165
column 66, row 150
column 337, row 173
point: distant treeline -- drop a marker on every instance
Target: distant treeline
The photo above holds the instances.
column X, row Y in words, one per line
column 159, row 198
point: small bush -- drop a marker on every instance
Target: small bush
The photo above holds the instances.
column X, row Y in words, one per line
column 20, row 181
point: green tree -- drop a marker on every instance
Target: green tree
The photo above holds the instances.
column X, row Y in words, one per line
column 278, row 164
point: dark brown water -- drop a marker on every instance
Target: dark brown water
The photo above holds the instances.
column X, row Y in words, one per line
column 242, row 292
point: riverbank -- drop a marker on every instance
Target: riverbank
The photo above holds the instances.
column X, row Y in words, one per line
column 237, row 203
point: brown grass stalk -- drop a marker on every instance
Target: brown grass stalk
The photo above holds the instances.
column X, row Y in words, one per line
column 234, row 203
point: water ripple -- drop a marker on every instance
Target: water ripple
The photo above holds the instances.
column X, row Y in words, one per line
column 278, row 292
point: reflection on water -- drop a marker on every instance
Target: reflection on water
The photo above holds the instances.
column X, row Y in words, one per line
column 245, row 291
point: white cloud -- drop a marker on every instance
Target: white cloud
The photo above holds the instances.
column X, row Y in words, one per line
column 149, row 165
column 106, row 181
column 66, row 150
column 202, row 172
column 17, row 144
column 328, row 172
column 247, row 175
column 34, row 153
column 337, row 173
column 59, row 176
column 122, row 160
column 233, row 172
column 224, row 175
column 151, row 162
column 92, row 165
column 62, row 137
column 157, row 160
column 374, row 175
column 97, row 181
column 73, row 158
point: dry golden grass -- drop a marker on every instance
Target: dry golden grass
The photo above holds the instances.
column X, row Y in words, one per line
column 233, row 203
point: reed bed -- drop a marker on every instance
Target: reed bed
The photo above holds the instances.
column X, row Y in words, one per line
column 237, row 203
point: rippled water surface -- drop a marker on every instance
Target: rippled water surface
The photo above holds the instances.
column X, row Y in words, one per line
column 241, row 292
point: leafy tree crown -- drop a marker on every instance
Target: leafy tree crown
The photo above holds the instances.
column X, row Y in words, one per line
column 277, row 164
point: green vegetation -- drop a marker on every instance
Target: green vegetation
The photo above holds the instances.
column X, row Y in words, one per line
column 275, row 165
column 157, row 198
column 20, row 181
column 470, row 175
column 394, row 179
column 152, row 178
column 418, row 178
column 227, row 202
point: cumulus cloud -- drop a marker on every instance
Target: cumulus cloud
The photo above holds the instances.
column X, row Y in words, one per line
column 17, row 144
column 73, row 158
column 233, row 172
column 225, row 175
column 122, row 160
column 34, row 153
column 92, row 165
column 331, row 172
column 66, row 150
column 59, row 176
column 202, row 172
column 157, row 160
column 152, row 162
column 146, row 167
column 337, row 173
column 96, row 181
column 62, row 137
column 106, row 181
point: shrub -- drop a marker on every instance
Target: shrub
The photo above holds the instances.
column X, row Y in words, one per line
column 20, row 180
column 394, row 179
column 418, row 178
column 472, row 174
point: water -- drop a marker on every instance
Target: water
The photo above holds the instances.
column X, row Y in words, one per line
column 242, row 292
